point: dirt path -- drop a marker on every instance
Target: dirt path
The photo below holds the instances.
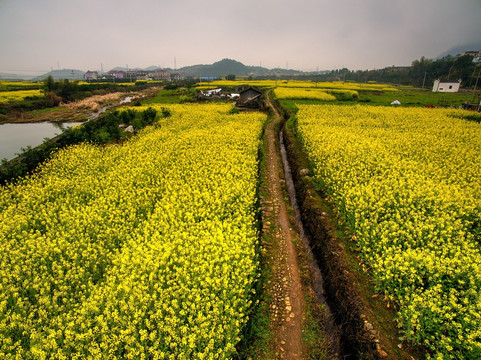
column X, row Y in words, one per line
column 288, row 299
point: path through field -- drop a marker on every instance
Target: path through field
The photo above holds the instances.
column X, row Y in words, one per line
column 288, row 295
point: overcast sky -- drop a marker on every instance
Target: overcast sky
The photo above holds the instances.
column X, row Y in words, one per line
column 36, row 36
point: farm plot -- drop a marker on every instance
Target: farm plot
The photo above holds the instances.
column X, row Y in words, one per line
column 14, row 96
column 140, row 250
column 302, row 93
column 407, row 182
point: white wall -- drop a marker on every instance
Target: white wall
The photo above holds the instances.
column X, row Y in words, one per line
column 446, row 86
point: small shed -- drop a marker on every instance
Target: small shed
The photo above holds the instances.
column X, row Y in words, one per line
column 250, row 98
column 446, row 86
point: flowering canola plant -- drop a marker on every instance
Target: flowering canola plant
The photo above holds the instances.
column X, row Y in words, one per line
column 303, row 93
column 332, row 85
column 144, row 250
column 18, row 95
column 407, row 181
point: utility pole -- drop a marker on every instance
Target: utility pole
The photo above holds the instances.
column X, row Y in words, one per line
column 425, row 73
column 477, row 79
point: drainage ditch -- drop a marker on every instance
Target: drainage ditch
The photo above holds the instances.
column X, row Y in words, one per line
column 332, row 329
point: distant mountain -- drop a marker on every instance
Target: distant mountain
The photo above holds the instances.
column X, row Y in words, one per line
column 218, row 69
column 227, row 66
column 152, row 68
column 69, row 74
column 456, row 50
column 15, row 77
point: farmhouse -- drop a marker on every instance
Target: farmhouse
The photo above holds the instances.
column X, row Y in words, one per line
column 476, row 54
column 177, row 77
column 160, row 75
column 446, row 86
column 117, row 74
column 250, row 98
column 91, row 75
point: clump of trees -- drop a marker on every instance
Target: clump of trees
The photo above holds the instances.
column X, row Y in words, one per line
column 421, row 72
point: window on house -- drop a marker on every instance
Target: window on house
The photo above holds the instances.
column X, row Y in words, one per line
column 450, row 86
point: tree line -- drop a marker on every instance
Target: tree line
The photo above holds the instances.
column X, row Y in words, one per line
column 421, row 73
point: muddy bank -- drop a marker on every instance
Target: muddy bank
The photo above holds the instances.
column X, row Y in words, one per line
column 366, row 322
column 341, row 294
column 316, row 278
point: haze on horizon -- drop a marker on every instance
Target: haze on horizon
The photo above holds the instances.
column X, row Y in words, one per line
column 36, row 36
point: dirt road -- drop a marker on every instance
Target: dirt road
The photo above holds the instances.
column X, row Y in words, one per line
column 288, row 298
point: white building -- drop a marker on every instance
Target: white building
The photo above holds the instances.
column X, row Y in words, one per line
column 446, row 86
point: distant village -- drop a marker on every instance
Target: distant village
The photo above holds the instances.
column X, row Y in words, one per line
column 134, row 75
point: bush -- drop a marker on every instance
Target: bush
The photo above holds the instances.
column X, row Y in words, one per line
column 165, row 112
column 52, row 100
column 148, row 116
column 127, row 116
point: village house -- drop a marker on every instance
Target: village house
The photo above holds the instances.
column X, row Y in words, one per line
column 142, row 75
column 446, row 86
column 160, row 75
column 177, row 77
column 117, row 74
column 91, row 75
column 250, row 98
column 476, row 54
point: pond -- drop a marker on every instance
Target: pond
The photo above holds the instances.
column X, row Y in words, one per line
column 14, row 137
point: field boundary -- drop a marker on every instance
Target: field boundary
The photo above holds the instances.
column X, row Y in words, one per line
column 367, row 325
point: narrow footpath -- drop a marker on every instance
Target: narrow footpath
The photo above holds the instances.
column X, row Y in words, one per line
column 287, row 302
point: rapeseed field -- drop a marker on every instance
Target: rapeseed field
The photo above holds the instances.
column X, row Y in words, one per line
column 407, row 182
column 141, row 250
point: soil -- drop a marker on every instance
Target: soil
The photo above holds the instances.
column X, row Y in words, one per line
column 366, row 321
column 287, row 303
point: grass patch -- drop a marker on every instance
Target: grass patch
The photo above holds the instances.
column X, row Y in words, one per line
column 48, row 110
column 257, row 334
column 174, row 96
column 407, row 97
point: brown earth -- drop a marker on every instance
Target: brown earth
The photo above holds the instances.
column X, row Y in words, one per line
column 366, row 320
column 287, row 300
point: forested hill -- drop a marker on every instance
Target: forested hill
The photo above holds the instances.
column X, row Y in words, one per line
column 227, row 66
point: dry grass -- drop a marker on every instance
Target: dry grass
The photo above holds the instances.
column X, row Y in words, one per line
column 93, row 103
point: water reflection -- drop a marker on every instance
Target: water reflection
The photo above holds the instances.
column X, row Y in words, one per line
column 14, row 137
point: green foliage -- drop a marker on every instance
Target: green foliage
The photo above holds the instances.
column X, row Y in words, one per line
column 165, row 112
column 171, row 86
column 422, row 71
column 171, row 94
column 148, row 116
column 49, row 85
